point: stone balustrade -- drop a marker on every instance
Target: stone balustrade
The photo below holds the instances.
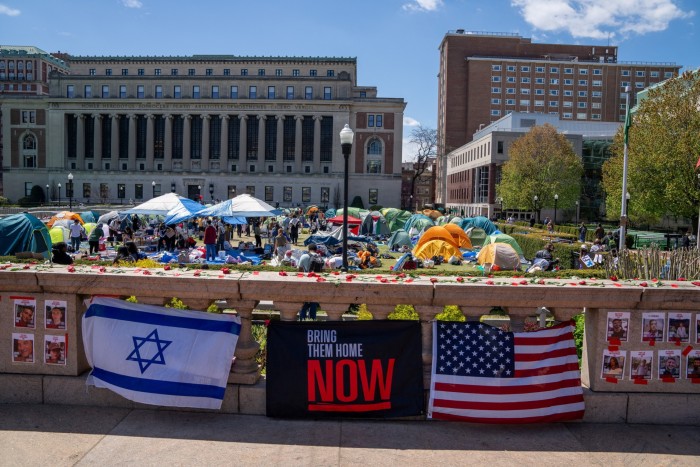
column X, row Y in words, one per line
column 243, row 291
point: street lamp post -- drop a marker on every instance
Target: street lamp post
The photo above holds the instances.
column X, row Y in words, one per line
column 346, row 136
column 48, row 194
column 556, row 201
column 153, row 185
column 627, row 206
column 537, row 211
column 410, row 203
column 499, row 200
column 211, row 192
column 69, row 188
column 199, row 194
column 59, row 194
column 577, row 211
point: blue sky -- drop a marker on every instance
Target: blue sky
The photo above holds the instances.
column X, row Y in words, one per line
column 395, row 41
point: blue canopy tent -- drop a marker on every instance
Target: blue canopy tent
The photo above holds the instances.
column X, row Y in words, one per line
column 184, row 210
column 24, row 232
column 159, row 205
column 240, row 206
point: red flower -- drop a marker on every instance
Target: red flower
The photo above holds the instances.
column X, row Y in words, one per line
column 697, row 283
column 489, row 282
column 384, row 280
column 460, row 279
column 644, row 284
column 320, row 279
column 336, row 273
column 655, row 280
column 71, row 269
column 433, row 279
column 226, row 270
column 523, row 282
column 401, row 275
column 490, row 276
column 146, row 272
column 541, row 281
column 282, row 273
column 613, row 278
column 408, row 281
column 26, row 266
column 581, row 282
column 197, row 273
column 166, row 267
column 103, row 269
column 681, row 279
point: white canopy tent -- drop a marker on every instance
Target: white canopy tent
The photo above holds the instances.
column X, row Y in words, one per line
column 160, row 205
column 240, row 206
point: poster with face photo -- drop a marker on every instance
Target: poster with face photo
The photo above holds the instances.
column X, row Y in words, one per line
column 55, row 350
column 613, row 364
column 653, row 326
column 22, row 348
column 669, row 363
column 693, row 367
column 678, row 327
column 618, row 325
column 55, row 314
column 25, row 313
column 642, row 362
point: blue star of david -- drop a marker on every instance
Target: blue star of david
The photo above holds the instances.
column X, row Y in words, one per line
column 158, row 358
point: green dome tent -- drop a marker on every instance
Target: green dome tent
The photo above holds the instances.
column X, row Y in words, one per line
column 399, row 238
column 24, row 232
column 480, row 222
column 503, row 238
column 419, row 222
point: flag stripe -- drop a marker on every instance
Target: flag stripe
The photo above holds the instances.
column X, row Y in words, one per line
column 514, row 414
column 122, row 314
column 498, row 382
column 554, row 370
column 172, row 388
column 550, row 418
column 506, row 405
column 479, row 389
column 524, row 366
column 533, row 357
column 542, row 340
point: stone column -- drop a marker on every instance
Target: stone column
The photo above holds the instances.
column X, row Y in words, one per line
column 168, row 143
column 245, row 369
column 297, row 143
column 115, row 142
column 224, row 140
column 205, row 142
column 132, row 142
column 262, row 120
column 280, row 144
column 97, row 141
column 316, row 166
column 80, row 142
column 186, row 141
column 243, row 145
column 149, row 141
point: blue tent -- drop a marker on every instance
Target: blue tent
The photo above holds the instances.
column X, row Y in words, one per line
column 419, row 221
column 240, row 206
column 185, row 209
column 480, row 222
column 24, row 232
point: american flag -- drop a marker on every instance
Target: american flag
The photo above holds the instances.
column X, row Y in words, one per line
column 484, row 374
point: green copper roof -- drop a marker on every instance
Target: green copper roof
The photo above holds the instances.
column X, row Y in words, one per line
column 28, row 51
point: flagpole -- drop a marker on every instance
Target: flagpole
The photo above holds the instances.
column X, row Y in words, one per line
column 623, row 209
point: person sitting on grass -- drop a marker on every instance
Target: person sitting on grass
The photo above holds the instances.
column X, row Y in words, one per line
column 60, row 254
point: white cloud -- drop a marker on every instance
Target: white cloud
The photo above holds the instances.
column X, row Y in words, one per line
column 600, row 19
column 132, row 3
column 6, row 10
column 408, row 121
column 422, row 5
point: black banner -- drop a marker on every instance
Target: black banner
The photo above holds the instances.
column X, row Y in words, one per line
column 358, row 369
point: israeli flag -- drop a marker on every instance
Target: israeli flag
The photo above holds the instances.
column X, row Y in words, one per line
column 160, row 356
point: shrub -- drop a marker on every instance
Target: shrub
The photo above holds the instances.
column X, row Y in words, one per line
column 176, row 303
column 363, row 313
column 214, row 308
column 404, row 312
column 132, row 299
column 4, row 201
column 451, row 313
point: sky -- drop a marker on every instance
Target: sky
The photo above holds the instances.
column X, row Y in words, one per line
column 395, row 41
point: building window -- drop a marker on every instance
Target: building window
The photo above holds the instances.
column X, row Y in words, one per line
column 583, row 94
column 525, row 69
column 108, row 72
column 496, row 90
column 234, row 92
column 553, row 92
column 156, row 72
column 269, row 194
column 250, row 189
column 140, row 72
column 105, row 91
column 138, row 191
column 296, row 72
column 122, row 91
column 305, row 194
column 640, row 74
column 495, row 112
column 568, row 71
column 554, row 69
column 278, row 72
column 583, row 71
column 510, row 101
column 313, row 73
column 582, row 105
column 177, row 91
column 495, row 67
column 625, row 72
column 597, row 71
column 597, row 83
column 327, row 94
column 325, row 194
column 227, row 72
column 525, row 80
column 639, row 85
column 270, row 92
column 70, row 91
column 554, row 81
column 525, row 91
column 140, row 91
column 596, row 94
column 173, row 71
column 583, row 82
column 195, row 92
column 539, row 69
column 290, row 92
column 261, row 71
column 595, row 116
column 581, row 116
column 653, row 74
column 568, row 93
column 92, row 72
column 668, row 74
column 209, row 72
column 510, row 68
column 159, row 91
column 373, row 196
column 495, row 79
column 554, row 103
column 370, row 121
column 308, row 93
column 121, row 190
column 252, row 92
column 244, row 72
column 510, row 90
column 125, row 72
column 190, row 72
column 495, row 101
column 510, row 79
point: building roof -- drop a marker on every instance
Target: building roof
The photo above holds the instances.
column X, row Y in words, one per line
column 522, row 122
column 17, row 51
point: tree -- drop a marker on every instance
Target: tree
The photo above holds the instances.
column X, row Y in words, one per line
column 541, row 163
column 664, row 147
column 425, row 141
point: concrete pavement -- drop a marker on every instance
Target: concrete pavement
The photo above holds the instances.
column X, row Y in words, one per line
column 72, row 435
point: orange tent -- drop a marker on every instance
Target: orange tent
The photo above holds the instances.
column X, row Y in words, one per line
column 65, row 215
column 437, row 232
column 437, row 247
column 459, row 235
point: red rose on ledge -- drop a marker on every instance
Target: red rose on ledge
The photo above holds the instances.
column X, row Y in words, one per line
column 26, row 266
column 225, row 270
column 282, row 273
column 643, row 284
column 523, row 282
column 489, row 282
column 613, row 278
column 197, row 273
column 166, row 267
column 71, row 269
column 460, row 279
column 146, row 272
column 581, row 282
column 433, row 280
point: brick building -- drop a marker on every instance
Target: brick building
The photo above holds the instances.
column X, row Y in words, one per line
column 485, row 76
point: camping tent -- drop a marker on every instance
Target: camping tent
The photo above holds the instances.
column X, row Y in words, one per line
column 436, row 247
column 159, row 205
column 431, row 213
column 107, row 217
column 64, row 215
column 89, row 216
column 418, row 222
column 503, row 238
column 24, row 232
column 476, row 235
column 184, row 210
column 59, row 234
column 459, row 235
column 399, row 238
column 241, row 206
column 395, row 218
column 501, row 255
column 437, row 232
column 374, row 224
column 354, row 212
column 480, row 222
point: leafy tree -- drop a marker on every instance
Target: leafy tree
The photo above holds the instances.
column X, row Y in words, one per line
column 541, row 163
column 425, row 141
column 664, row 147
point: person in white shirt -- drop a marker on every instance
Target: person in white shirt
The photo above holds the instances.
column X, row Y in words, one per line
column 76, row 234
